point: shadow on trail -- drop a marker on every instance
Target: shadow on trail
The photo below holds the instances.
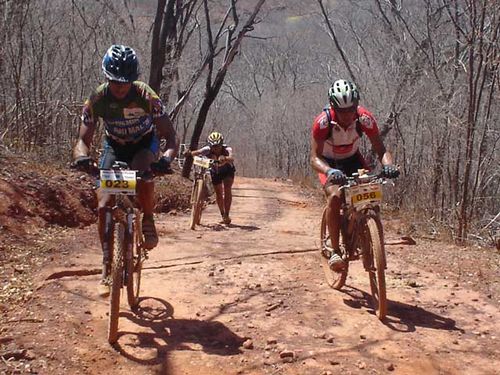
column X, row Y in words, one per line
column 220, row 227
column 401, row 317
column 165, row 334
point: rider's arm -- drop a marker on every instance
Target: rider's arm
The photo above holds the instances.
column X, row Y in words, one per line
column 196, row 152
column 230, row 155
column 370, row 128
column 82, row 147
column 317, row 162
column 166, row 130
column 384, row 156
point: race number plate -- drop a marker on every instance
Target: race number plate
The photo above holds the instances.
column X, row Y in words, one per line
column 118, row 182
column 201, row 162
column 362, row 195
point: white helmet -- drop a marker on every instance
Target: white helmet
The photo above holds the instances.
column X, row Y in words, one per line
column 343, row 94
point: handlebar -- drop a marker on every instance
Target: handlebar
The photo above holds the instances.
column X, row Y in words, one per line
column 366, row 178
column 93, row 170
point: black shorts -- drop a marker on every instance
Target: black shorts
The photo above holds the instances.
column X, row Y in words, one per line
column 114, row 151
column 219, row 174
column 349, row 166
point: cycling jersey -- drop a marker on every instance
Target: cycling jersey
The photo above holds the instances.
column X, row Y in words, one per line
column 342, row 143
column 219, row 173
column 207, row 151
column 125, row 120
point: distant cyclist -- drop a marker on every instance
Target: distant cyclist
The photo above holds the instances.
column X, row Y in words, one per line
column 335, row 151
column 222, row 172
column 134, row 119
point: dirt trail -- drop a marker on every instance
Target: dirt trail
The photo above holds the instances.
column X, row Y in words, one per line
column 229, row 300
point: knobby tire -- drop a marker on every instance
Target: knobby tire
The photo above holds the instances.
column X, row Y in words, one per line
column 375, row 253
column 134, row 265
column 334, row 279
column 116, row 281
column 194, row 206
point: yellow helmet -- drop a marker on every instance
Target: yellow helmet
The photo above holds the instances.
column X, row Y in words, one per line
column 215, row 138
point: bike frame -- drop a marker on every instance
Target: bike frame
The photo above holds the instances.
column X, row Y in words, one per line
column 352, row 222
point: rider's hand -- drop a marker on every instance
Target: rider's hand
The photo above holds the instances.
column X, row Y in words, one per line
column 390, row 171
column 162, row 165
column 222, row 158
column 336, row 176
column 82, row 163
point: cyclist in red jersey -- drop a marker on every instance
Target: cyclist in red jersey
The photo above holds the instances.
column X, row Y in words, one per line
column 336, row 133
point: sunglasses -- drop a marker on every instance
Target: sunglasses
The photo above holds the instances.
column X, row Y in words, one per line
column 346, row 110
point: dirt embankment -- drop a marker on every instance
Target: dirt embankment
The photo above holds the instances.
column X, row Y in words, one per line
column 39, row 204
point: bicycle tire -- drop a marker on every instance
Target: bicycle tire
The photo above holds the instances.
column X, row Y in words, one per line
column 194, row 206
column 116, row 281
column 134, row 265
column 200, row 200
column 375, row 264
column 336, row 280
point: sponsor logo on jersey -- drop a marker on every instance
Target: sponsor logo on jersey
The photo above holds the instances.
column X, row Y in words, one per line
column 323, row 122
column 131, row 113
column 366, row 121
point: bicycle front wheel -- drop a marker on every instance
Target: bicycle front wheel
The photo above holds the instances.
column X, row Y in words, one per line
column 116, row 281
column 134, row 264
column 195, row 196
column 200, row 190
column 375, row 264
column 335, row 279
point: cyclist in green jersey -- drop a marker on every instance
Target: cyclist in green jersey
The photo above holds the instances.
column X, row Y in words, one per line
column 134, row 119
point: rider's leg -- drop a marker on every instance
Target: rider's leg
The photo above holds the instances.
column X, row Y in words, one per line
column 106, row 245
column 228, row 198
column 333, row 223
column 219, row 197
column 145, row 195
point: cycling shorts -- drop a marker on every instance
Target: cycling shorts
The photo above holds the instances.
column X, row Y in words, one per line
column 219, row 174
column 147, row 147
column 348, row 165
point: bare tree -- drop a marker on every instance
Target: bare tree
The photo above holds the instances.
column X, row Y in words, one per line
column 234, row 37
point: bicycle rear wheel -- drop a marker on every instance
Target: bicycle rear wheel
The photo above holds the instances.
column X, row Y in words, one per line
column 375, row 264
column 334, row 279
column 116, row 281
column 134, row 264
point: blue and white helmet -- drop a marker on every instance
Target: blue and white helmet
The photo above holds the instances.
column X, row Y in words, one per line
column 120, row 64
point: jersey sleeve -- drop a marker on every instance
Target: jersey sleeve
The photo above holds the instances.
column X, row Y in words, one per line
column 367, row 121
column 320, row 127
column 205, row 151
column 92, row 108
column 156, row 104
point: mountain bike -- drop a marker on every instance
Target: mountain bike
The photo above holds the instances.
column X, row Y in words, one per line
column 123, row 238
column 361, row 236
column 201, row 188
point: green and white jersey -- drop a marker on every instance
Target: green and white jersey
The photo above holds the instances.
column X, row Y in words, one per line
column 128, row 119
